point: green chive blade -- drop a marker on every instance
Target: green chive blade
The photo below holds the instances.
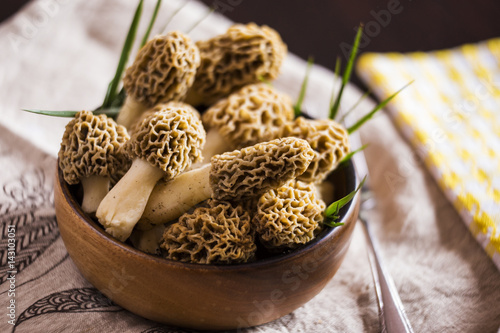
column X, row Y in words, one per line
column 335, row 207
column 352, row 108
column 337, row 75
column 127, row 47
column 370, row 114
column 298, row 105
column 64, row 114
column 347, row 72
column 330, row 222
column 110, row 112
column 145, row 38
column 352, row 153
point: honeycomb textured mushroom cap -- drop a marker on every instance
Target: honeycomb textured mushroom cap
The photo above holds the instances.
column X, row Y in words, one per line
column 91, row 145
column 218, row 232
column 250, row 114
column 242, row 55
column 164, row 106
column 289, row 216
column 254, row 170
column 170, row 139
column 328, row 139
column 164, row 69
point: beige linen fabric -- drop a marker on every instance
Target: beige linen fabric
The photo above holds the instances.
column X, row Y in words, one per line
column 62, row 54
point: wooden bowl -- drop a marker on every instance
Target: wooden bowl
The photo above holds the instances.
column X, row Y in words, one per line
column 205, row 296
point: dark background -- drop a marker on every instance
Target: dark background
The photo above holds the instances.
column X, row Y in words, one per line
column 323, row 28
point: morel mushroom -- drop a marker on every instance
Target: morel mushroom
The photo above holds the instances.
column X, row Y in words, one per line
column 289, row 216
column 328, row 139
column 164, row 145
column 91, row 152
column 163, row 71
column 245, row 118
column 243, row 55
column 218, row 232
column 148, row 240
column 234, row 175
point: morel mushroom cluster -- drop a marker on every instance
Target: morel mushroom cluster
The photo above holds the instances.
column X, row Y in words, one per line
column 236, row 175
column 212, row 187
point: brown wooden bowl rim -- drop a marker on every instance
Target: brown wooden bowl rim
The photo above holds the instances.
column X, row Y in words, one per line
column 346, row 212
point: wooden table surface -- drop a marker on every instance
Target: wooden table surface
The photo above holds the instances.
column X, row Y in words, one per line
column 324, row 29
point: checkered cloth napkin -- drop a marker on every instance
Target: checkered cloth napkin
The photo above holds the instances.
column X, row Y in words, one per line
column 451, row 116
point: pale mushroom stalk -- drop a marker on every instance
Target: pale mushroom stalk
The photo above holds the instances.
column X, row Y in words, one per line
column 130, row 112
column 174, row 198
column 253, row 114
column 216, row 144
column 163, row 70
column 91, row 152
column 125, row 203
column 95, row 189
column 233, row 175
column 164, row 144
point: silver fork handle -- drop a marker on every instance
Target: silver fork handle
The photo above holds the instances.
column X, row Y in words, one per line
column 392, row 314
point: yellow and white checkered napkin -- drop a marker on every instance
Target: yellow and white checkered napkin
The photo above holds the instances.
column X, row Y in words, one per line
column 451, row 115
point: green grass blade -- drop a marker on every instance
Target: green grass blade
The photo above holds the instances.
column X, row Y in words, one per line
column 119, row 99
column 110, row 112
column 64, row 114
column 335, row 207
column 151, row 23
column 209, row 11
column 330, row 221
column 347, row 72
column 337, row 75
column 370, row 114
column 352, row 108
column 127, row 47
column 298, row 105
column 352, row 153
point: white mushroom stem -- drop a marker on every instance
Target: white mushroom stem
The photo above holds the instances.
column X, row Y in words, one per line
column 130, row 112
column 95, row 189
column 124, row 204
column 171, row 199
column 214, row 144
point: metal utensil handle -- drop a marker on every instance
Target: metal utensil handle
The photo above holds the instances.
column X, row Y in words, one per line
column 393, row 317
